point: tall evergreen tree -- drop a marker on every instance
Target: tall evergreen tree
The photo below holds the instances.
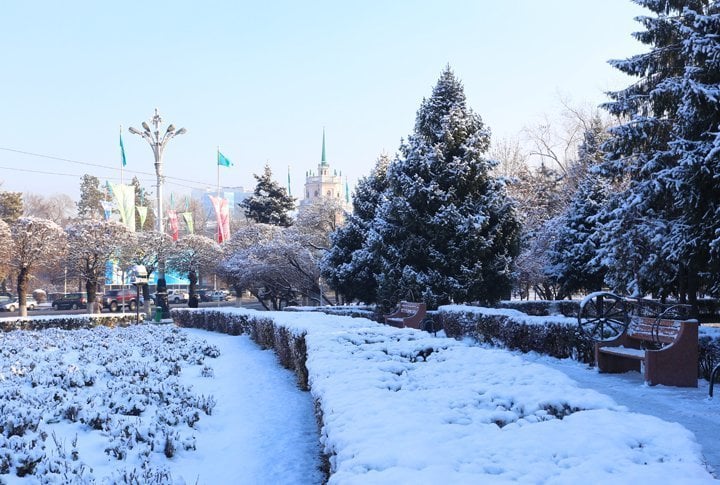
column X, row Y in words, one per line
column 11, row 206
column 91, row 196
column 573, row 260
column 270, row 202
column 445, row 230
column 668, row 150
column 347, row 267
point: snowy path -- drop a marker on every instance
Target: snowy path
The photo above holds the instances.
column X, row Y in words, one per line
column 262, row 420
column 689, row 407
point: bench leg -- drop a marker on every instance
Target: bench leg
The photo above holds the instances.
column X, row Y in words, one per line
column 613, row 364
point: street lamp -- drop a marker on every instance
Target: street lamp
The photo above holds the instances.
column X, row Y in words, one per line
column 157, row 143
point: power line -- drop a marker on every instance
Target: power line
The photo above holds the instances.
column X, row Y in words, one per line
column 168, row 179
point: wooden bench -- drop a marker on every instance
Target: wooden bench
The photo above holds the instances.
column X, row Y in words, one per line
column 667, row 349
column 408, row 314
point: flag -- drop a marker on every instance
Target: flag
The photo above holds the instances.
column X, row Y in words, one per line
column 122, row 149
column 125, row 198
column 187, row 216
column 142, row 212
column 223, row 161
column 174, row 228
column 222, row 214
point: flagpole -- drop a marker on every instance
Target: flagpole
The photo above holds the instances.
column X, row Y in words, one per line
column 218, row 171
column 121, row 157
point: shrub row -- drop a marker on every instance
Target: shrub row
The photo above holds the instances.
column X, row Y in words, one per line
column 69, row 322
column 290, row 348
column 557, row 338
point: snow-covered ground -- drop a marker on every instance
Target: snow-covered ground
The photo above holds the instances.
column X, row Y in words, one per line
column 398, row 406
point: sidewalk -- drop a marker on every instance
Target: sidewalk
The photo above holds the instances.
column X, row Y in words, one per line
column 690, row 407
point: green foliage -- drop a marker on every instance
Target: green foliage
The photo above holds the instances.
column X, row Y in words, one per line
column 270, row 203
column 445, row 230
column 11, row 206
column 91, row 195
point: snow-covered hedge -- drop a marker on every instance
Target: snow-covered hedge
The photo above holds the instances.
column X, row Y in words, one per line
column 69, row 322
column 542, row 308
column 401, row 406
column 557, row 336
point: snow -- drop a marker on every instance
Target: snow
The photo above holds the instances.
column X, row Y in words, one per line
column 398, row 406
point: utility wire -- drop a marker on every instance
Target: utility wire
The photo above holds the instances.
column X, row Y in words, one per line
column 167, row 179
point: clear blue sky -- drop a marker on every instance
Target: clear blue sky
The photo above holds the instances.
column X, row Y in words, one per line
column 262, row 79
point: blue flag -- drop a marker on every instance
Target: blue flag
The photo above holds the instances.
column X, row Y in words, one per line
column 222, row 160
column 122, row 149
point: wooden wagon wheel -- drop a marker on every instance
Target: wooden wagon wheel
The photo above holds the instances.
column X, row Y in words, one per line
column 603, row 315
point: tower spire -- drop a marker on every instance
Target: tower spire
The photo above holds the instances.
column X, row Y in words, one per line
column 323, row 160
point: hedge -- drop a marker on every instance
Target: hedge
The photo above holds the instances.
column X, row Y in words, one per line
column 556, row 336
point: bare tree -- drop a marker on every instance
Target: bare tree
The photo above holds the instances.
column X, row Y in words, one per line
column 35, row 243
column 94, row 242
column 58, row 208
column 190, row 255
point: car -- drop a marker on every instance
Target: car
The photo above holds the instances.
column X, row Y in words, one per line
column 116, row 299
column 14, row 304
column 204, row 294
column 70, row 301
column 220, row 295
column 177, row 296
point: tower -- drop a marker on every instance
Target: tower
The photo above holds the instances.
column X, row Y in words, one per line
column 324, row 184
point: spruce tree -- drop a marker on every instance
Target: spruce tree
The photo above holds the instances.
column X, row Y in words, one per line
column 445, row 230
column 573, row 259
column 667, row 150
column 348, row 268
column 91, row 196
column 11, row 206
column 270, row 203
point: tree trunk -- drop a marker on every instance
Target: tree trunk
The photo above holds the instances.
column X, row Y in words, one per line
column 91, row 289
column 22, row 280
column 192, row 298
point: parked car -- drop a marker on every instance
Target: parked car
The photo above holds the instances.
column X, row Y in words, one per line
column 204, row 294
column 70, row 301
column 116, row 299
column 14, row 304
column 178, row 296
column 220, row 295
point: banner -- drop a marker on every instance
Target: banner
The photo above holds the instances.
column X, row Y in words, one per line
column 187, row 217
column 125, row 198
column 142, row 213
column 173, row 221
column 222, row 214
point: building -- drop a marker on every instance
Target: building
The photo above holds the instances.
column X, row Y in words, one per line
column 326, row 183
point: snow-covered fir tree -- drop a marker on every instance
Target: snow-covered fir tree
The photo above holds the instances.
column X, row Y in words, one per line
column 270, row 203
column 668, row 151
column 347, row 266
column 573, row 262
column 445, row 230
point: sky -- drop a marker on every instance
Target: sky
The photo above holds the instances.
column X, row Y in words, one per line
column 262, row 80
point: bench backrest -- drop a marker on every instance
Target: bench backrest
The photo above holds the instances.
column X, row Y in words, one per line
column 409, row 307
column 653, row 330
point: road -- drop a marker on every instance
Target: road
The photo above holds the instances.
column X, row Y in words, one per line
column 46, row 309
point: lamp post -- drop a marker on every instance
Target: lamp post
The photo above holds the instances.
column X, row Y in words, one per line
column 158, row 142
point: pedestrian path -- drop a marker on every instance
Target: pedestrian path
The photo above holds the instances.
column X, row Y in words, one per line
column 690, row 407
